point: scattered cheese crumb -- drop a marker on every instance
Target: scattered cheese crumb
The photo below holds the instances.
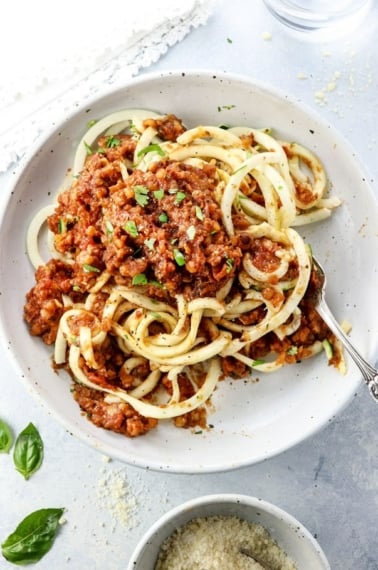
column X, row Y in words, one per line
column 116, row 496
column 302, row 75
column 320, row 96
column 266, row 36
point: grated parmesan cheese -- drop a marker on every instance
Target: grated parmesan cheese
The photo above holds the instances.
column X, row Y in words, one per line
column 115, row 495
column 217, row 542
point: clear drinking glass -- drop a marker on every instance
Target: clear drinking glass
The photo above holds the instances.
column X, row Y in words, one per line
column 319, row 15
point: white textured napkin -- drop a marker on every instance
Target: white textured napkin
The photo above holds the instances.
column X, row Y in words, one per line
column 55, row 55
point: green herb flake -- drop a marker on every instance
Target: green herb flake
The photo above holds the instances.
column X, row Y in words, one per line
column 90, row 268
column 88, row 148
column 163, row 218
column 179, row 257
column 112, row 141
column 109, row 227
column 191, row 232
column 150, row 243
column 131, row 228
column 33, row 537
column 91, row 123
column 159, row 194
column 28, row 451
column 199, row 213
column 292, row 350
column 6, row 438
column 139, row 279
column 258, row 362
column 62, row 226
column 229, row 264
column 156, row 284
column 229, row 40
column 180, row 196
column 328, row 348
column 76, row 288
column 152, row 148
column 141, row 195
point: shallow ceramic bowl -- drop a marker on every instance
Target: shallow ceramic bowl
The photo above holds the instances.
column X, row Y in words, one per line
column 289, row 533
column 251, row 420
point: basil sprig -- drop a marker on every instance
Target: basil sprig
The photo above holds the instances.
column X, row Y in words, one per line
column 6, row 438
column 33, row 537
column 28, row 451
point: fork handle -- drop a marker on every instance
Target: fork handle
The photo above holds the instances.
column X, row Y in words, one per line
column 369, row 373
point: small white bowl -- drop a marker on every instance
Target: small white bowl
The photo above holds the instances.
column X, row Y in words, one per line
column 288, row 532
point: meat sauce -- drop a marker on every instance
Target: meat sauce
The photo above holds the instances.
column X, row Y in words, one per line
column 161, row 228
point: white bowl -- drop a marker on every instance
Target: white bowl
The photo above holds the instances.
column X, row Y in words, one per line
column 252, row 420
column 288, row 532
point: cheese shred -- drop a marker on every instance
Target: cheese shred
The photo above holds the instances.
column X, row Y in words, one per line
column 219, row 542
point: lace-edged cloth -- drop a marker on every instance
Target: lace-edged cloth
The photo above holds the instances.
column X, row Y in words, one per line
column 49, row 87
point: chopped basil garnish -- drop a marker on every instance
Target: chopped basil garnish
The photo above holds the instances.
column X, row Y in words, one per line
column 28, row 451
column 163, row 217
column 328, row 348
column 156, row 283
column 90, row 268
column 88, row 148
column 139, row 279
column 6, row 439
column 292, row 350
column 112, row 141
column 179, row 257
column 141, row 194
column 229, row 264
column 199, row 213
column 62, row 226
column 131, row 228
column 109, row 227
column 33, row 537
column 159, row 194
column 151, row 148
column 180, row 196
column 257, row 362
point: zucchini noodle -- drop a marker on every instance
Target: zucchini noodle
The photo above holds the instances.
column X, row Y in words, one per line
column 175, row 263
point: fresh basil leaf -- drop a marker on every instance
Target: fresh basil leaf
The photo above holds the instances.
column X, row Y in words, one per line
column 6, row 438
column 28, row 451
column 33, row 537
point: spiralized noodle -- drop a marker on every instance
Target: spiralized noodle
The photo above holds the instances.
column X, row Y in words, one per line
column 171, row 341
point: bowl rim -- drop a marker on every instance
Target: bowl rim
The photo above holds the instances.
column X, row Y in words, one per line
column 38, row 147
column 227, row 498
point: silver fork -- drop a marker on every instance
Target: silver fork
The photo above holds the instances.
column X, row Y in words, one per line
column 369, row 373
